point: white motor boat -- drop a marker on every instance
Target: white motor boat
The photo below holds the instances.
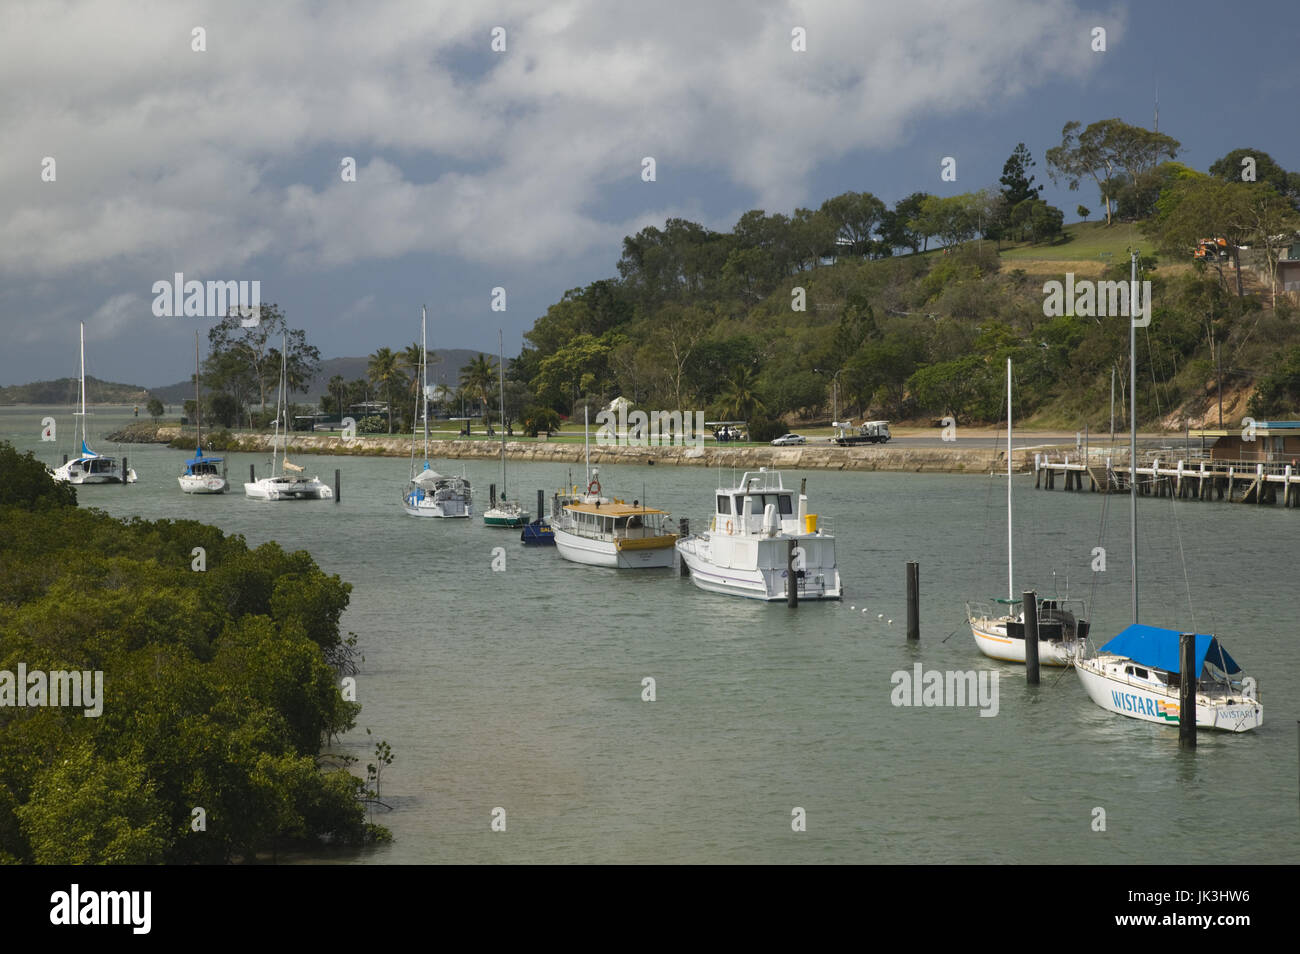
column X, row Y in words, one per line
column 429, row 493
column 600, row 531
column 286, row 481
column 89, row 467
column 747, row 547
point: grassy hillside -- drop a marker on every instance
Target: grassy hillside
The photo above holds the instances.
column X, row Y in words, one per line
column 64, row 391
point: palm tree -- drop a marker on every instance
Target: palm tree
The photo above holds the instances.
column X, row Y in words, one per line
column 337, row 388
column 387, row 377
column 478, row 378
column 740, row 394
column 409, row 360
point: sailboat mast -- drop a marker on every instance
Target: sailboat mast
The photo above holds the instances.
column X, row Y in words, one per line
column 501, row 378
column 1011, row 578
column 424, row 380
column 1133, row 430
column 83, row 387
column 198, row 420
column 586, row 441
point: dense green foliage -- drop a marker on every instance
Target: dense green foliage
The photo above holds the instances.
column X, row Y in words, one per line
column 219, row 689
column 64, row 391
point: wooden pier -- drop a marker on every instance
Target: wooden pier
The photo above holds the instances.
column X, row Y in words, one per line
column 1197, row 479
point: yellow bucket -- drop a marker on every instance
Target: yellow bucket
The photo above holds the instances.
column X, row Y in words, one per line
column 810, row 523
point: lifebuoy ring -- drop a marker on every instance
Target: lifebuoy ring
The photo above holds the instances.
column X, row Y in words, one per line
column 728, row 526
column 593, row 487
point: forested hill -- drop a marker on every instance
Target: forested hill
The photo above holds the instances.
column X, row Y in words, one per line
column 783, row 317
column 64, row 391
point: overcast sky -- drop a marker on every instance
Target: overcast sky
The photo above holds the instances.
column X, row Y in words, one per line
column 522, row 169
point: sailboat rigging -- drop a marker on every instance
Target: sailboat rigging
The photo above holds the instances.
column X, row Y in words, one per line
column 89, row 467
column 504, row 513
column 429, row 493
column 201, row 473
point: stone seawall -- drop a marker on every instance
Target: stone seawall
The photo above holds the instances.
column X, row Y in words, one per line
column 954, row 459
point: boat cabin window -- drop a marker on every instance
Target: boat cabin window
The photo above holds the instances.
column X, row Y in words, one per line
column 780, row 501
column 1137, row 671
column 724, row 504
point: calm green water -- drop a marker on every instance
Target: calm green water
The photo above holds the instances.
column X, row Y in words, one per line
column 522, row 689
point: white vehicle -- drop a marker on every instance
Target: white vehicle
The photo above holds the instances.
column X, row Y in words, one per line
column 90, row 468
column 871, row 432
column 747, row 547
column 786, row 439
column 286, row 481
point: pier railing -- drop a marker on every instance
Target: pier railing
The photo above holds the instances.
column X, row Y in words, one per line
column 1178, row 475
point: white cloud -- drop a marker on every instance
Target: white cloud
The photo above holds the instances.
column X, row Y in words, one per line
column 207, row 163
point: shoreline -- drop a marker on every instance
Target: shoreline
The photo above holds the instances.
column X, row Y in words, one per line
column 979, row 459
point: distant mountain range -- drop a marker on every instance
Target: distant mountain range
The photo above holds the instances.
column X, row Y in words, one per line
column 444, row 364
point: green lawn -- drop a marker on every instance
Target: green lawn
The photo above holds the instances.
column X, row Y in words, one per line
column 1084, row 240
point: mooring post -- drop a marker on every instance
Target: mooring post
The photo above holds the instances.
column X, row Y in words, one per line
column 684, row 530
column 540, row 501
column 492, row 495
column 791, row 586
column 1186, row 691
column 125, row 470
column 252, row 477
column 338, row 486
column 1031, row 637
column 913, row 600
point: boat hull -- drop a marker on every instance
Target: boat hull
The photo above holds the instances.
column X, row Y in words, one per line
column 103, row 470
column 454, row 507
column 592, row 552
column 994, row 642
column 505, row 519
column 202, row 485
column 759, row 582
column 1127, row 698
column 277, row 488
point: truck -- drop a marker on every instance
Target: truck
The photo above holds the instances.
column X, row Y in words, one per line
column 870, row 432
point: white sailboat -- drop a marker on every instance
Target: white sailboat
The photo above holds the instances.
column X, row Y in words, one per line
column 429, row 493
column 89, row 467
column 202, row 476
column 999, row 627
column 503, row 512
column 1138, row 673
column 286, row 481
column 603, row 531
column 746, row 549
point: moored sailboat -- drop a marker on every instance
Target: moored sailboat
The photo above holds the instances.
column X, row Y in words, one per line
column 286, row 481
column 201, row 473
column 1138, row 673
column 429, row 493
column 503, row 512
column 89, row 467
column 999, row 627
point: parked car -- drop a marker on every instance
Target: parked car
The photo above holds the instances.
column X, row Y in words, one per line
column 785, row 439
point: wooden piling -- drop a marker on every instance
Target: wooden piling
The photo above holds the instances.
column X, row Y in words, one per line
column 125, row 470
column 1031, row 637
column 913, row 600
column 684, row 531
column 252, row 475
column 791, row 585
column 540, row 501
column 1186, row 691
column 338, row 486
column 492, row 495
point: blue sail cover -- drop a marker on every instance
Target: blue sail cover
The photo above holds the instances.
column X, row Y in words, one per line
column 1158, row 648
column 200, row 459
column 86, row 451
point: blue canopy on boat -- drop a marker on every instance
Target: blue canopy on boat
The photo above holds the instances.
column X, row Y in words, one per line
column 1158, row 648
column 200, row 459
